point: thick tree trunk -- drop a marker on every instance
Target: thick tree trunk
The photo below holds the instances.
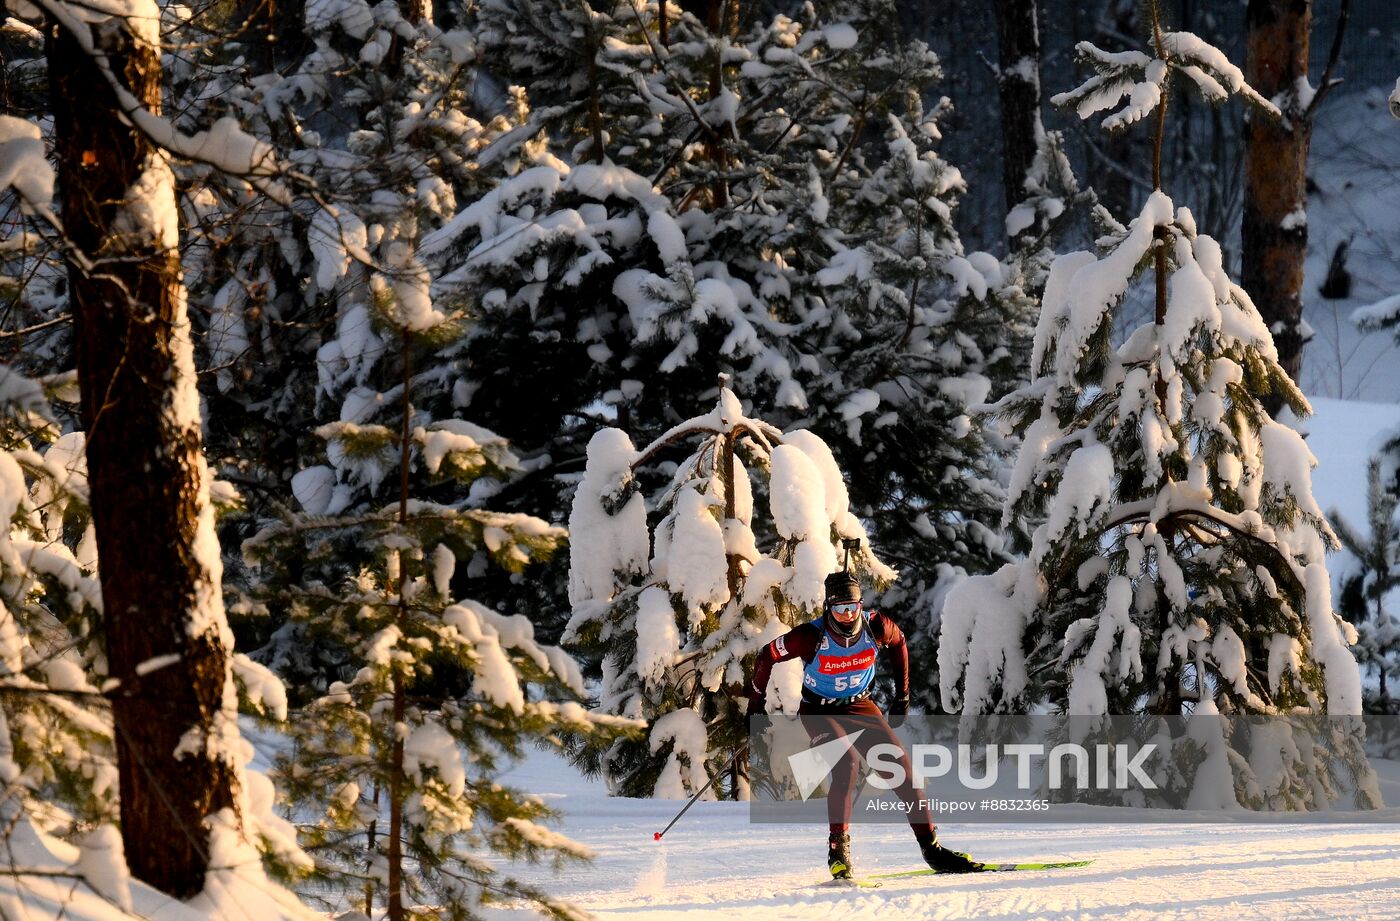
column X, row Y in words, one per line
column 1018, row 84
column 166, row 642
column 1275, row 232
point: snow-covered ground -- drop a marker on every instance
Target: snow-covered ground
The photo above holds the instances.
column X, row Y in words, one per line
column 715, row 864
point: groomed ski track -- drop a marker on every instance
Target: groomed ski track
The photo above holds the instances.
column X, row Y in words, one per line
column 716, row 865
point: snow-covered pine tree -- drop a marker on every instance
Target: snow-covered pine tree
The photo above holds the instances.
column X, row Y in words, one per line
column 1181, row 554
column 675, row 609
column 58, row 759
column 913, row 329
column 191, row 817
column 1375, row 573
column 591, row 279
column 397, row 760
column 388, row 125
column 782, row 217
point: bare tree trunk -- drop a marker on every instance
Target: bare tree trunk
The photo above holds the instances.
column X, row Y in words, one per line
column 732, row 560
column 1276, row 161
column 159, row 554
column 595, row 110
column 1018, row 84
column 1276, row 158
column 369, row 870
column 722, row 19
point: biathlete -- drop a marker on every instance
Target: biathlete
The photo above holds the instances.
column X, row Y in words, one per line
column 838, row 651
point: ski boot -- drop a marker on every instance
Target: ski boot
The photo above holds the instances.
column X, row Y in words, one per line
column 945, row 861
column 838, row 856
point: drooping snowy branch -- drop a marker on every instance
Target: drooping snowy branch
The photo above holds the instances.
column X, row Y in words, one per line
column 1142, row 77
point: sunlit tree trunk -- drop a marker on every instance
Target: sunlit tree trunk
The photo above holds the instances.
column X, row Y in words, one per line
column 165, row 631
column 1275, row 231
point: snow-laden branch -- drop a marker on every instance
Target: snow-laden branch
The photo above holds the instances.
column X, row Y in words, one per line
column 1142, row 79
column 224, row 146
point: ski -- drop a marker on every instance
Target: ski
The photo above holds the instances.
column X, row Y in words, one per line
column 873, row 881
column 989, row 868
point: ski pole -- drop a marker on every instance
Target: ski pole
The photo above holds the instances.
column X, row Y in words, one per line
column 656, row 836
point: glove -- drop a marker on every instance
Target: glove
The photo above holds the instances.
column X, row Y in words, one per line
column 899, row 709
column 758, row 706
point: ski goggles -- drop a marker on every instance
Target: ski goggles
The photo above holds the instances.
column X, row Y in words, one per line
column 845, row 607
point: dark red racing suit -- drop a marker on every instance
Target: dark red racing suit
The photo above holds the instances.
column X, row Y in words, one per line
column 826, row 718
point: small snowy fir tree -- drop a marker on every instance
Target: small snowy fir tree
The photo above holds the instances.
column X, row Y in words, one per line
column 676, row 609
column 394, row 764
column 1052, row 192
column 1374, row 574
column 1178, row 563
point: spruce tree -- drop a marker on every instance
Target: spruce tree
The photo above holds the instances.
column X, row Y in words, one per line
column 1179, row 560
column 378, row 121
column 191, row 817
column 770, row 206
column 394, row 763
